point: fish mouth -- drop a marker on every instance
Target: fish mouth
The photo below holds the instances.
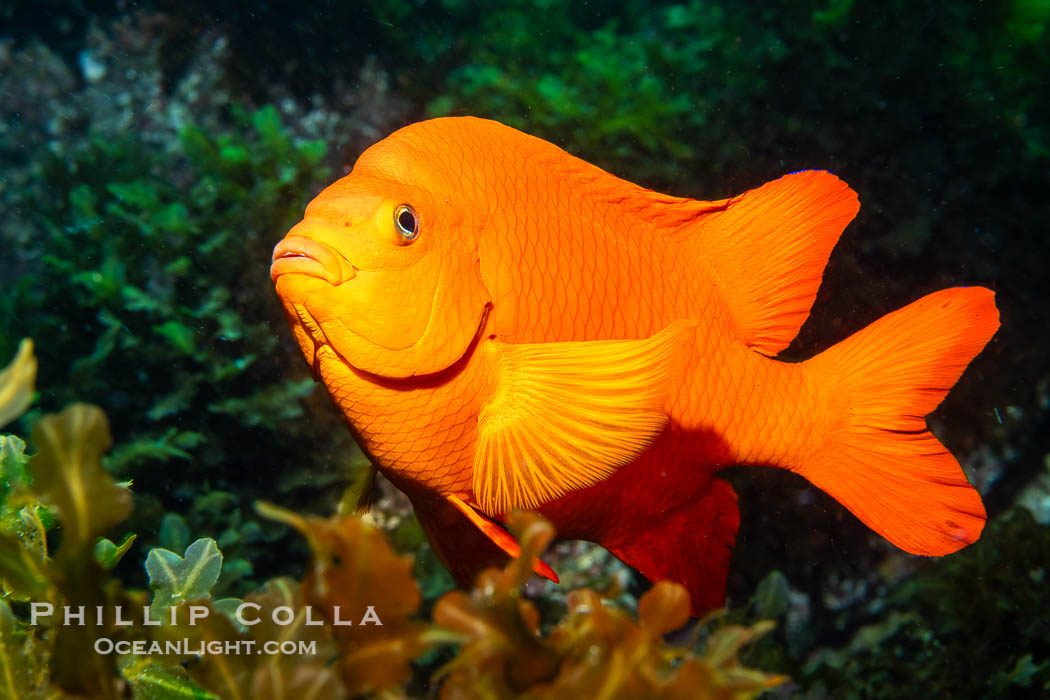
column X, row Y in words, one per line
column 305, row 256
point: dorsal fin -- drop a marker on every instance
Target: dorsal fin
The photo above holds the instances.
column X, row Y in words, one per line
column 768, row 248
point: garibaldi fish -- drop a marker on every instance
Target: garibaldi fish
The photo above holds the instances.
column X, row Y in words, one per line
column 505, row 326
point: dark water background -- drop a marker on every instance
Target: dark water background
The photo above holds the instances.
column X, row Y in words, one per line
column 151, row 154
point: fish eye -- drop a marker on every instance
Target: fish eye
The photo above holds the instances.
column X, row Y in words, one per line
column 406, row 222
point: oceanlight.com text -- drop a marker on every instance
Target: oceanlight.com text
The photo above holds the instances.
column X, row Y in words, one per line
column 105, row 645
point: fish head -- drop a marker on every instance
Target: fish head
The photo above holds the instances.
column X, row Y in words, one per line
column 384, row 267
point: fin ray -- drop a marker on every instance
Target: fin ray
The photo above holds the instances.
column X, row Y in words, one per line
column 465, row 541
column 769, row 247
column 500, row 537
column 566, row 415
column 882, row 463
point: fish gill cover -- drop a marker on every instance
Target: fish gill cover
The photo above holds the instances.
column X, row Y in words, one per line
column 151, row 158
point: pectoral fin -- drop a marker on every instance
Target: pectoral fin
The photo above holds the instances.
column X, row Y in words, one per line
column 565, row 415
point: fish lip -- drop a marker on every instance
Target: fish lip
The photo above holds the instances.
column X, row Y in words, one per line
column 306, row 256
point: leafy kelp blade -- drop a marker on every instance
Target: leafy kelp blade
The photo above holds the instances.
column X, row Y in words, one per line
column 16, row 383
column 68, row 473
column 176, row 579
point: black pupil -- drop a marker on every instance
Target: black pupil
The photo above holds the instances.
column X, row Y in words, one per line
column 407, row 221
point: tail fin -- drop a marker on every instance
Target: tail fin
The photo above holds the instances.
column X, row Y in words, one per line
column 882, row 463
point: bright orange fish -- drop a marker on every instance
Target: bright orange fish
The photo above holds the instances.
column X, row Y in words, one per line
column 506, row 326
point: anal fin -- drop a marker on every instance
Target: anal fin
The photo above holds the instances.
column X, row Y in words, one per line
column 691, row 545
